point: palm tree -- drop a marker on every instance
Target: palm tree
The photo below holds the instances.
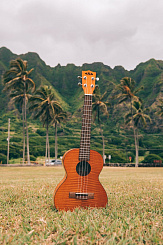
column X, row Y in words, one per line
column 18, row 97
column 16, row 78
column 99, row 106
column 45, row 108
column 128, row 93
column 58, row 118
column 139, row 118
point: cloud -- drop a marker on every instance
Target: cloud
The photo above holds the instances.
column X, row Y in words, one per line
column 114, row 32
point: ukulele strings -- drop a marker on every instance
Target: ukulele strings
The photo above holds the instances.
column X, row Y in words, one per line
column 88, row 136
column 85, row 120
column 82, row 151
column 88, row 110
column 82, row 148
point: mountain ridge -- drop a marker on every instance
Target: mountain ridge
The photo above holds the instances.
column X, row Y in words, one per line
column 63, row 79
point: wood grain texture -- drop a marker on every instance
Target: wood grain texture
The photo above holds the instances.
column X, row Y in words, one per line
column 72, row 182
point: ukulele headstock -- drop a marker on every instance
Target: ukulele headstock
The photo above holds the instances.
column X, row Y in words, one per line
column 88, row 81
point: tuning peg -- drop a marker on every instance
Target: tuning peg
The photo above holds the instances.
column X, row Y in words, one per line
column 79, row 77
column 97, row 79
column 79, row 84
column 96, row 86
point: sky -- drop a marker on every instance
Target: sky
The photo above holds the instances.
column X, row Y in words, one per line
column 114, row 32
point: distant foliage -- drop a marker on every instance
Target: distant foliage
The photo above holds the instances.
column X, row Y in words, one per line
column 33, row 158
column 117, row 156
column 3, row 159
column 41, row 132
column 151, row 159
column 63, row 80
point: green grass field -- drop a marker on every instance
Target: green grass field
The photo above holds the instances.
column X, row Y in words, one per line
column 134, row 214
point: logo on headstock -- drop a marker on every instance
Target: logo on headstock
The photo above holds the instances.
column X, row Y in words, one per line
column 89, row 73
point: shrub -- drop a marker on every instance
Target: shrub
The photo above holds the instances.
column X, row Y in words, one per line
column 149, row 160
column 41, row 132
column 117, row 156
column 3, row 158
column 161, row 155
column 32, row 158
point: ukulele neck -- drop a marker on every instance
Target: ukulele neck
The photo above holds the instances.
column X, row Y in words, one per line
column 84, row 152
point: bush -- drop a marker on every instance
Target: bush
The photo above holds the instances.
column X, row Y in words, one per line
column 3, row 158
column 117, row 157
column 32, row 158
column 161, row 155
column 41, row 132
column 152, row 160
column 15, row 150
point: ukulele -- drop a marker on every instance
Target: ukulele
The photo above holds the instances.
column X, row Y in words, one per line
column 81, row 186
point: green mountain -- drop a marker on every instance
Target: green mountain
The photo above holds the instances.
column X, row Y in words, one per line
column 63, row 80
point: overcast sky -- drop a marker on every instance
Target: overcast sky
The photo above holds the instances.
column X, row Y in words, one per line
column 115, row 32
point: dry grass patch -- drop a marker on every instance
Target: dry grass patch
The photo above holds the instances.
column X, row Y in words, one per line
column 133, row 216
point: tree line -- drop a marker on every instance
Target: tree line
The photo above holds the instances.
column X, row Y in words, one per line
column 22, row 90
column 42, row 105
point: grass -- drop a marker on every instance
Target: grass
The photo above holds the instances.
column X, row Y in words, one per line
column 133, row 216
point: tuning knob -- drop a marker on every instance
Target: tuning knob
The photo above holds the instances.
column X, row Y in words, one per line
column 79, row 84
column 97, row 79
column 79, row 77
column 96, row 86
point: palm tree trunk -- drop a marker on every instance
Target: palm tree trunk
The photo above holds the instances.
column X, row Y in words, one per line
column 47, row 143
column 23, row 134
column 137, row 150
column 56, row 143
column 135, row 138
column 103, row 143
column 137, row 153
column 8, row 145
column 46, row 150
column 25, row 112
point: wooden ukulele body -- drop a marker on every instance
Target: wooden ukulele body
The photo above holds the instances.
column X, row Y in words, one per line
column 76, row 190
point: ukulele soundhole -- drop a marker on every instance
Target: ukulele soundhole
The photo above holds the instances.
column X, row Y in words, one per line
column 83, row 168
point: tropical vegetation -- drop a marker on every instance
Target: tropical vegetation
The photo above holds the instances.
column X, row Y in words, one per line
column 18, row 83
column 138, row 118
column 119, row 140
column 100, row 106
column 60, row 116
column 128, row 92
column 44, row 107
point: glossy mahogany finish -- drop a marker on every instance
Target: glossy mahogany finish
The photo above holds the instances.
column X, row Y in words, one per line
column 73, row 182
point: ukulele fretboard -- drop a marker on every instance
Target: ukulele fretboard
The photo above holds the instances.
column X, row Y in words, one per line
column 86, row 129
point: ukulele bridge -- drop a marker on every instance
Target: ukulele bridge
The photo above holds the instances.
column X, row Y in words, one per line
column 81, row 196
